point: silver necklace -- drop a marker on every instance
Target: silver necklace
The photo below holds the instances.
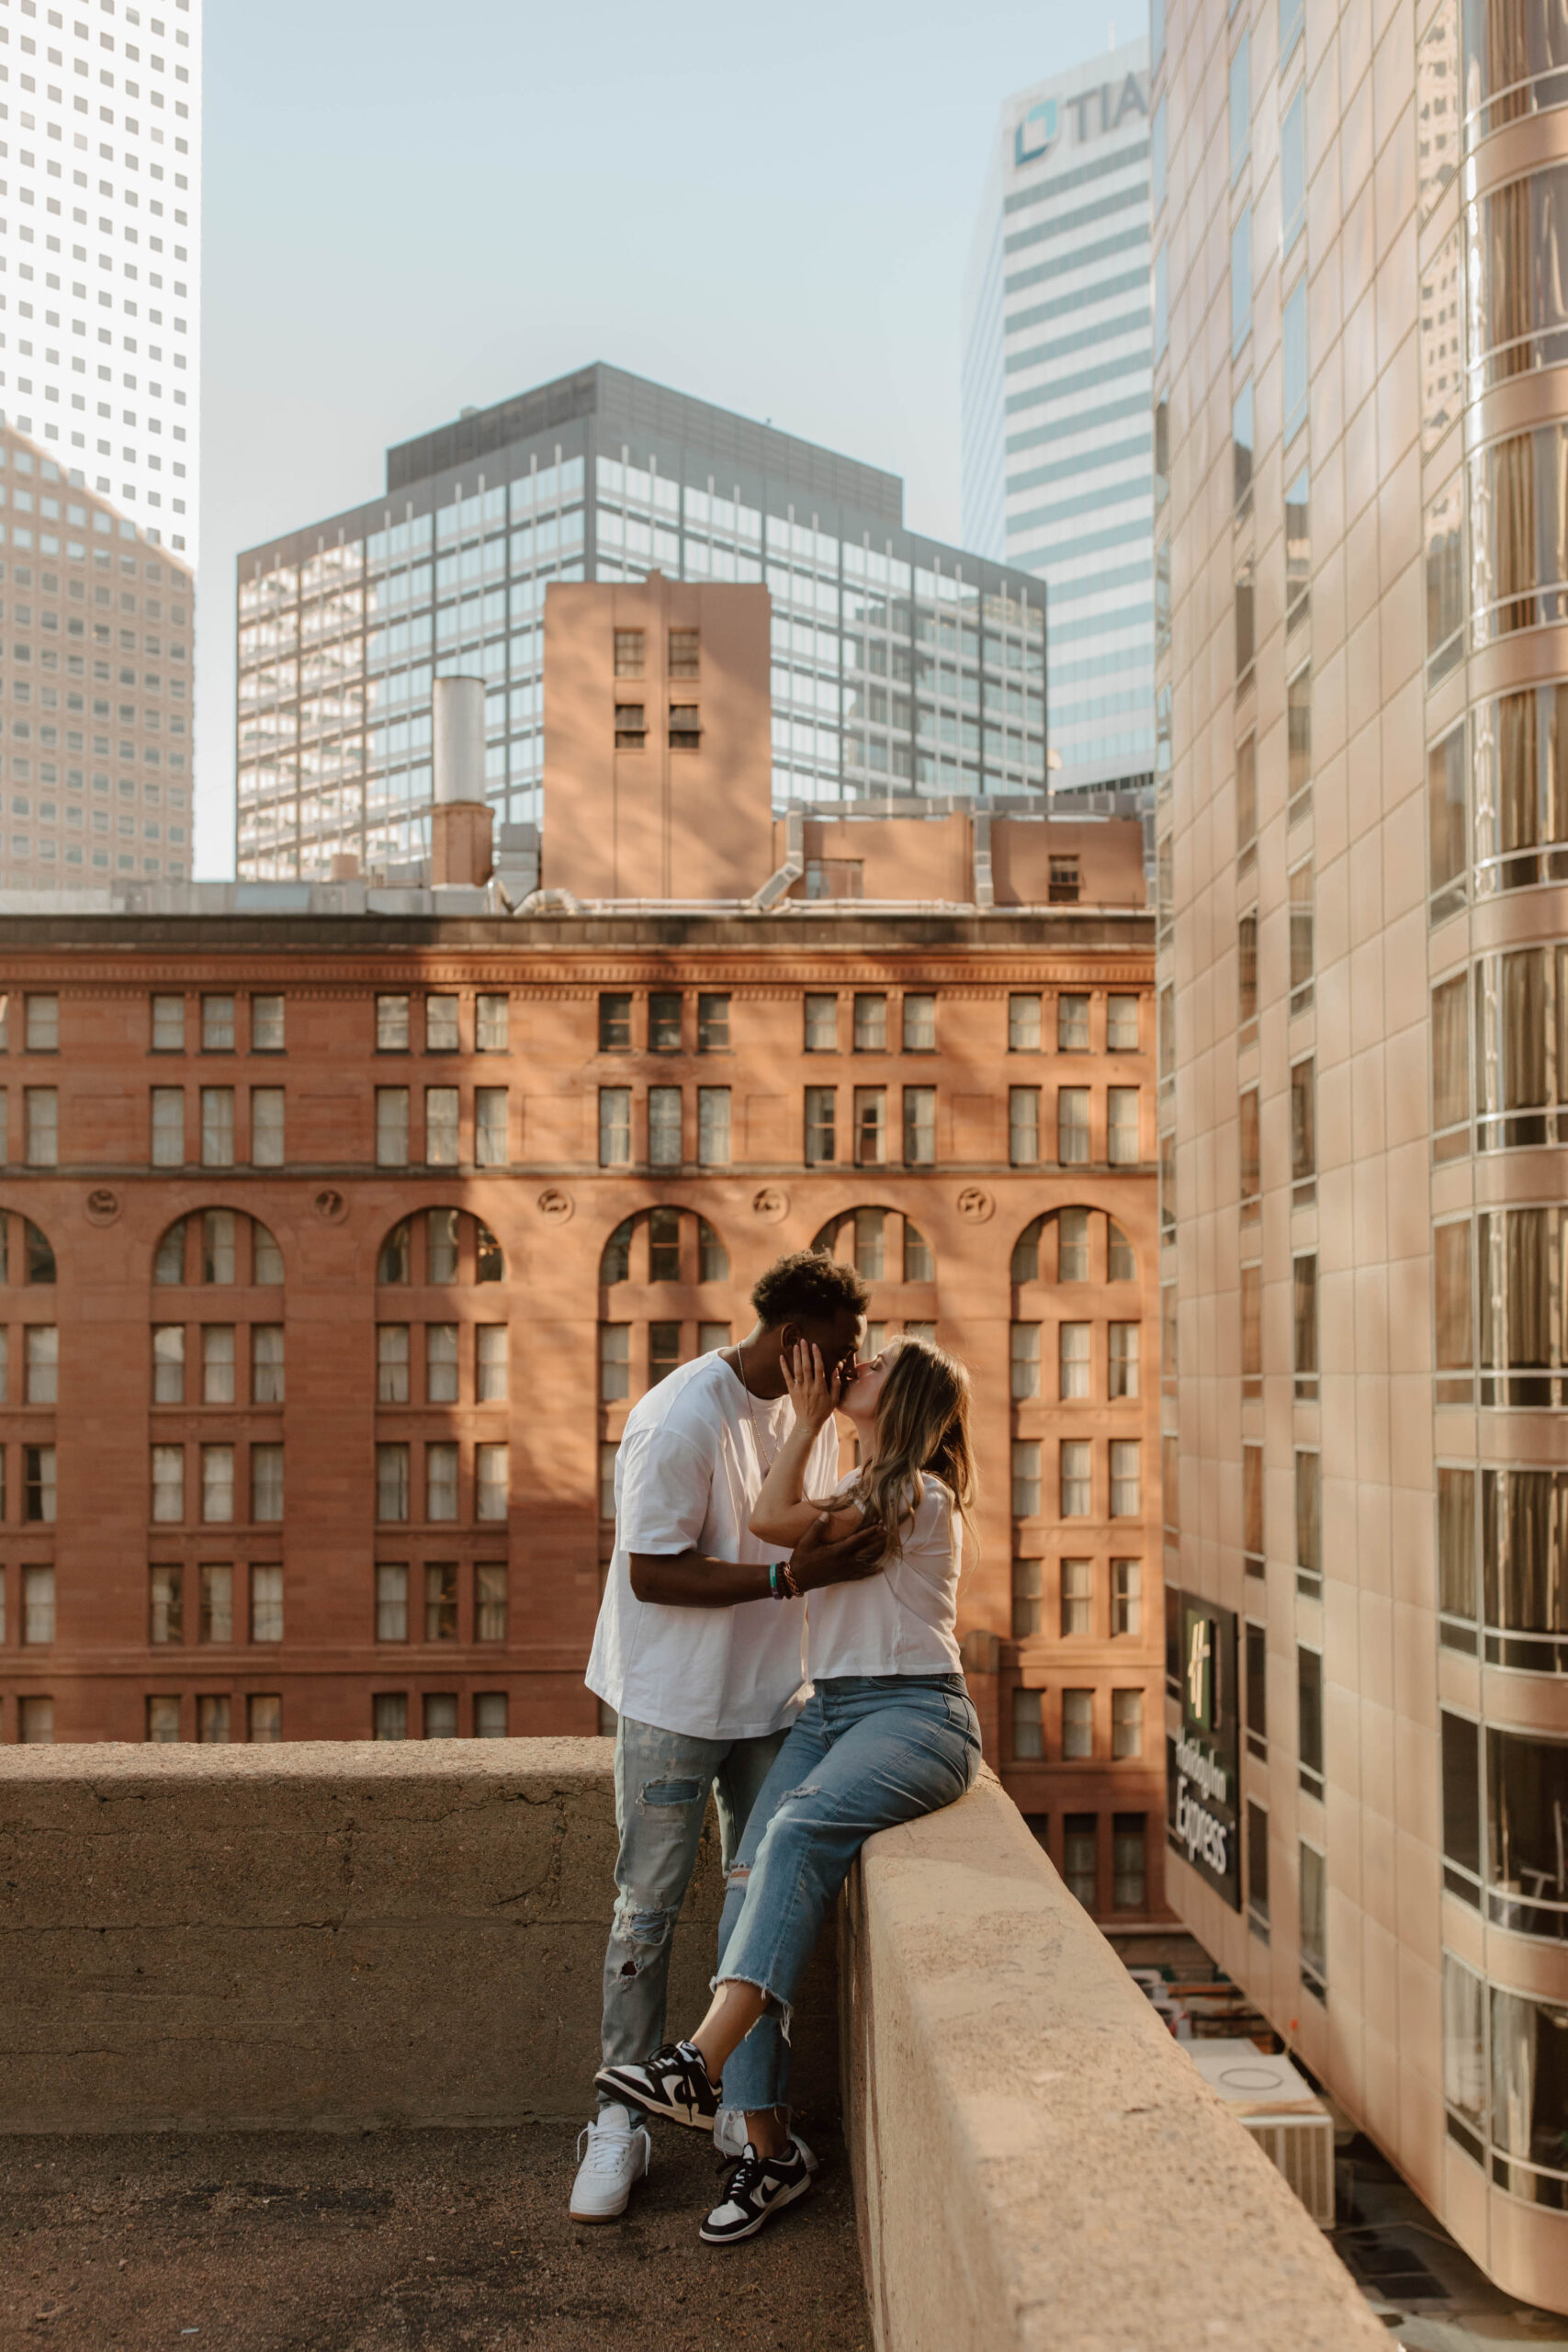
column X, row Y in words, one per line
column 750, row 1415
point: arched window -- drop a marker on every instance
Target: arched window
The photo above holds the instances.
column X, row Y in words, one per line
column 441, row 1246
column 25, row 1252
column 1074, row 1245
column 663, row 1244
column 882, row 1245
column 218, row 1246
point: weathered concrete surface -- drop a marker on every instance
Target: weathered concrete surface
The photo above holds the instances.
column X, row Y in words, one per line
column 1039, row 2168
column 404, row 2242
column 333, row 1934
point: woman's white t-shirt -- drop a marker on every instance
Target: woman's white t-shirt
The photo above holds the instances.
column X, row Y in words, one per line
column 903, row 1619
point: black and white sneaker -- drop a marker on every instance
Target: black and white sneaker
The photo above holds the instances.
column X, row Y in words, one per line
column 757, row 2188
column 673, row 2083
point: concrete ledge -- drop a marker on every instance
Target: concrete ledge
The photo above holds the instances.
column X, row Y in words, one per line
column 320, row 1934
column 1037, row 2163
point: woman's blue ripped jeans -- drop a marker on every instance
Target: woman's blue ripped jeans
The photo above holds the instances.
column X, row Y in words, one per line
column 867, row 1751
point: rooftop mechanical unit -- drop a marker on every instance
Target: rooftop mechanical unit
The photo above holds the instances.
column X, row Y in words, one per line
column 1293, row 2128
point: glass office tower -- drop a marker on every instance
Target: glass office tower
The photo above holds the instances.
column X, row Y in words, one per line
column 901, row 667
column 1058, row 447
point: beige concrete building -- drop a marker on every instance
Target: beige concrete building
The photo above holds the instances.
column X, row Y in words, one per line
column 95, row 701
column 1362, row 428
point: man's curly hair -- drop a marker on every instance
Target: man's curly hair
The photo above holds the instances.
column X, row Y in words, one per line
column 808, row 1287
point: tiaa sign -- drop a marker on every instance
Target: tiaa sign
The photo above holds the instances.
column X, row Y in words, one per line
column 1036, row 133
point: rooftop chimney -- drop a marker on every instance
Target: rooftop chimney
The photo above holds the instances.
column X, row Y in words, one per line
column 460, row 820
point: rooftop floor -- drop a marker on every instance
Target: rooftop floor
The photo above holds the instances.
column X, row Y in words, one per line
column 402, row 2241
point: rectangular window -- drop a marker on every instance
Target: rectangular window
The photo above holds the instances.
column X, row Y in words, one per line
column 440, row 1482
column 1258, row 1865
column 1298, row 603
column 685, row 726
column 266, row 1604
column 1292, row 171
column 629, row 652
column 664, row 1246
column 871, row 1126
column 684, row 653
column 217, row 1024
column 489, row 1602
column 821, row 1025
column 1250, row 1138
column 1302, row 944
column 491, row 1482
column 1243, row 448
column 1252, row 1505
column 1313, row 1920
column 1246, row 795
column 1303, row 1131
column 1072, row 1126
column 1255, row 1670
column 218, row 1485
column 168, row 1363
column 1304, row 1325
column 218, row 1363
column 168, row 1127
column 1126, row 1724
column 1446, row 829
column 37, row 1605
column 1122, row 1136
column 266, row 1024
column 1072, row 1024
column 1078, row 1725
column 391, row 1126
column 664, row 1023
column 441, row 1600
column 392, row 1482
column 919, row 1126
column 267, row 1126
column 919, row 1024
column 1127, row 1596
column 1028, row 1726
column 389, row 1714
column 1122, row 1025
column 42, row 1373
column 615, row 1024
column 166, row 1605
column 391, row 1025
column 1024, row 1126
column 168, row 1024
column 871, row 1024
column 820, row 1135
column 1026, row 1477
column 1309, row 1734
column 1245, row 620
column 614, row 1126
column 1247, row 969
column 1080, row 1855
column 440, row 1126
column 1126, row 1478
column 1293, row 358
column 1025, row 1360
column 1241, row 279
column 392, row 1604
column 663, row 1351
column 1309, row 1522
column 493, row 1025
column 218, row 1126
column 1027, row 1584
column 1123, row 1359
column 1169, row 1330
column 663, row 1126
column 608, row 1452
column 614, row 1361
column 1078, row 1597
column 41, row 1111
column 713, row 1126
column 713, row 1025
column 1252, row 1331
column 1129, row 1861
column 1073, row 1360
column 1075, row 1478
column 441, row 1363
column 1072, row 1246
column 1065, row 885
column 266, row 1485
column 168, row 1483
column 392, row 1363
column 489, row 1127
column 263, row 1717
column 489, row 1363
column 441, row 1034
column 1023, row 1024
column 1168, row 1185
column 711, row 1337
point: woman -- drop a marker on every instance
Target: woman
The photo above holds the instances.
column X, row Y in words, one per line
column 889, row 1734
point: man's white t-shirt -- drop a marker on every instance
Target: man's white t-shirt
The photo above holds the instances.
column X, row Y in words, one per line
column 904, row 1620
column 691, row 1465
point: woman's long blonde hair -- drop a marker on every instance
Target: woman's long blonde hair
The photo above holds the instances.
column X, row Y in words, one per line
column 923, row 1424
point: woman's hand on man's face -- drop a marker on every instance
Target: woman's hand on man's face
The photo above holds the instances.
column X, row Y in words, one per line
column 812, row 1390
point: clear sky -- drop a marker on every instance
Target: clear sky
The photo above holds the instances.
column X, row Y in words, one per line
column 412, row 208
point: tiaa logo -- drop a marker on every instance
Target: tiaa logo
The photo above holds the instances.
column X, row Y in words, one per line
column 1035, row 134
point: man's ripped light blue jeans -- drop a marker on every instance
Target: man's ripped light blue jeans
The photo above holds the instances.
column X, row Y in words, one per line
column 867, row 1751
column 663, row 1779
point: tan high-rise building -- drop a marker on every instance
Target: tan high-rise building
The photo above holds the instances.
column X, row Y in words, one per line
column 1362, row 428
column 95, row 701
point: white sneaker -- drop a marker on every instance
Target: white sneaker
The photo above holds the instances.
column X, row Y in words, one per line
column 619, row 2152
column 730, row 2137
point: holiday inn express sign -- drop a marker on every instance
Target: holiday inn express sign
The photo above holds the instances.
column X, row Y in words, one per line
column 1203, row 1804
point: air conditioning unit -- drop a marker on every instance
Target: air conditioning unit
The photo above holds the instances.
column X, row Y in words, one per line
column 1290, row 2125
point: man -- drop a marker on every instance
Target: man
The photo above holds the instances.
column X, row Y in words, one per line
column 699, row 1648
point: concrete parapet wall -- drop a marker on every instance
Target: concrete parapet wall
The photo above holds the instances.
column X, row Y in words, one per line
column 320, row 1934
column 1038, row 2163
